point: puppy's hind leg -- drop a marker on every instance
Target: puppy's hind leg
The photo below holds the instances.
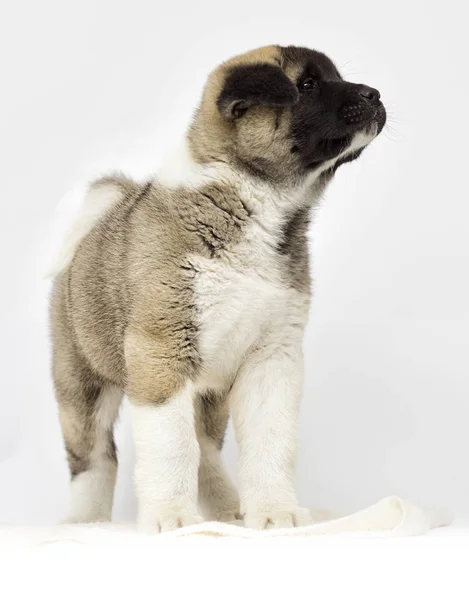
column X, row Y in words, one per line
column 217, row 494
column 87, row 410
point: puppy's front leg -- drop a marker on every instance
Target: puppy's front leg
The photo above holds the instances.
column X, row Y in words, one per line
column 265, row 401
column 163, row 419
column 168, row 453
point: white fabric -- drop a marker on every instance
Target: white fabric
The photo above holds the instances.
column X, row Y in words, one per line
column 391, row 516
column 371, row 559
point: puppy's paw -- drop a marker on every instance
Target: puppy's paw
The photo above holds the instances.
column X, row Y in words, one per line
column 278, row 518
column 168, row 519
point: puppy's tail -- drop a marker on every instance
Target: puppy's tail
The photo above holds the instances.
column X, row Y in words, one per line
column 77, row 214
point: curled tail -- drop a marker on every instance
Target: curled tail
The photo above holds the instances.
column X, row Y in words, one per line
column 88, row 205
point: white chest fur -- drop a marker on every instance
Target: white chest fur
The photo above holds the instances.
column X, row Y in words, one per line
column 241, row 298
column 242, row 295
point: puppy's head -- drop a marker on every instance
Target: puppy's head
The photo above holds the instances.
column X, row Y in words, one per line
column 283, row 113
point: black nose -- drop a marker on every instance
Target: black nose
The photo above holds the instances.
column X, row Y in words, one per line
column 369, row 93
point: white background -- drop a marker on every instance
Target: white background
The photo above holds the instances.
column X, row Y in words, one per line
column 92, row 85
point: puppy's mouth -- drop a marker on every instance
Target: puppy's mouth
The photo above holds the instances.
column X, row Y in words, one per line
column 361, row 114
column 362, row 117
column 361, row 123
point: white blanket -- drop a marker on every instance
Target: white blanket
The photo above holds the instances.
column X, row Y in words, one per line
column 392, row 516
column 367, row 556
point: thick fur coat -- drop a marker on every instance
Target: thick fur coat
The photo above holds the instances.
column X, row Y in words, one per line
column 190, row 294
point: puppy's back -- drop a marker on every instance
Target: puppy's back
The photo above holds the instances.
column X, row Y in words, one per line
column 88, row 305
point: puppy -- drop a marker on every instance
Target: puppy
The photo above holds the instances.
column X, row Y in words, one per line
column 190, row 294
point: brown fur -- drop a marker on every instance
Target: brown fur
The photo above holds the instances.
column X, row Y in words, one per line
column 257, row 142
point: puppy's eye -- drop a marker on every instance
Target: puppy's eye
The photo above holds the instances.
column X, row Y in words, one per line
column 308, row 84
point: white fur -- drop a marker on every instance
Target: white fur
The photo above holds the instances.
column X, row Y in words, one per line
column 180, row 169
column 242, row 292
column 93, row 203
column 166, row 473
column 92, row 491
column 265, row 402
column 91, row 494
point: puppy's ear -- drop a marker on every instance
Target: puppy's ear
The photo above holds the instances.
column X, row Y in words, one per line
column 248, row 85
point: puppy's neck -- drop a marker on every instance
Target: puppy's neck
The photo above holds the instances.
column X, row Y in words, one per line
column 269, row 204
column 180, row 169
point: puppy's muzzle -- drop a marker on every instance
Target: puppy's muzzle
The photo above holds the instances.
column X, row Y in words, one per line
column 362, row 105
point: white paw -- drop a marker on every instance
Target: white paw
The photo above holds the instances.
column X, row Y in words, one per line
column 278, row 518
column 168, row 519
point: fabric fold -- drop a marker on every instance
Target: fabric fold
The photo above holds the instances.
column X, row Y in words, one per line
column 392, row 516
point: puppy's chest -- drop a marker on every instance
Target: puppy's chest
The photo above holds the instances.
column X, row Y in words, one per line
column 237, row 303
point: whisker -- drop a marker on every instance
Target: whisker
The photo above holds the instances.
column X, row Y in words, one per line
column 393, row 134
column 345, row 64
